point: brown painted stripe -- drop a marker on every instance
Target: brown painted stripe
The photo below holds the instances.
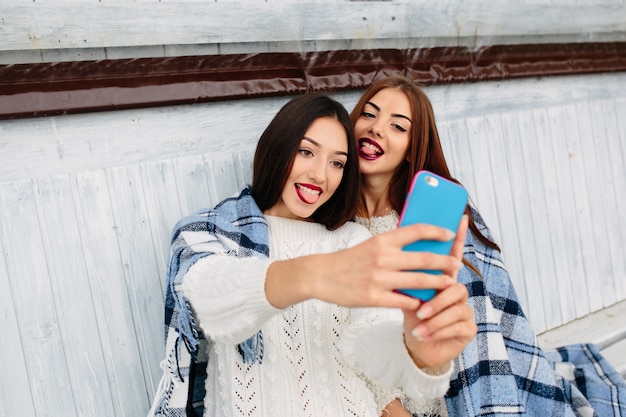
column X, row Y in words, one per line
column 40, row 89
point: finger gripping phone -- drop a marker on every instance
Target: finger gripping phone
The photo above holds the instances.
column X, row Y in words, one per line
column 434, row 200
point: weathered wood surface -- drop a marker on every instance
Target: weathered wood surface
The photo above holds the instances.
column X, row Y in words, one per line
column 606, row 328
column 167, row 28
column 87, row 203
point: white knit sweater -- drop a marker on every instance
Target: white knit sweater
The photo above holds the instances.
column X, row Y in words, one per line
column 319, row 359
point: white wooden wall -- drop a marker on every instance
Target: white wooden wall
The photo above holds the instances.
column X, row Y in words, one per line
column 87, row 202
column 61, row 30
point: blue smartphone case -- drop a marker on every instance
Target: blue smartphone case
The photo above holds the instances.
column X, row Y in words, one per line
column 433, row 200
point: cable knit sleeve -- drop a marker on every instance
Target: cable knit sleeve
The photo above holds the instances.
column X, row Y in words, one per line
column 374, row 344
column 227, row 295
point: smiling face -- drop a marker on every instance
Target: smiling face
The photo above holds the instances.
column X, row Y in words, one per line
column 383, row 132
column 316, row 172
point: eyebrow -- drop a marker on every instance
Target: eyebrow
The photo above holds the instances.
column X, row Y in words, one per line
column 319, row 146
column 392, row 114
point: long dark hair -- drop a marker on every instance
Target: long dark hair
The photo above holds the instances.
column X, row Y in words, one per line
column 277, row 148
column 424, row 151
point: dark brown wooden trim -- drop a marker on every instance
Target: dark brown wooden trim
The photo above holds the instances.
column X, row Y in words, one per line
column 28, row 90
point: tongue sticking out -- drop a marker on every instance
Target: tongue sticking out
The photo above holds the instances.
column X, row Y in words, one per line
column 307, row 195
column 369, row 150
column 366, row 150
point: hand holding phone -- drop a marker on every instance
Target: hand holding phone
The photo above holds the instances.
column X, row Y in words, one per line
column 434, row 200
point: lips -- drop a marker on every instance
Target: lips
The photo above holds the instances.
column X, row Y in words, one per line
column 308, row 193
column 369, row 149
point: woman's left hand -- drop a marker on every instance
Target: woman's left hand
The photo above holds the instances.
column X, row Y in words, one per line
column 439, row 329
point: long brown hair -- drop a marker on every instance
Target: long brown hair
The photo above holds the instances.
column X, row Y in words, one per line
column 277, row 148
column 424, row 151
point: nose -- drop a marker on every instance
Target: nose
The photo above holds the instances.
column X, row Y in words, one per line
column 318, row 172
column 375, row 129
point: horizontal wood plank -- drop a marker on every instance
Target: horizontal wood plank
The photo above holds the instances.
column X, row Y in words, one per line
column 604, row 328
column 54, row 25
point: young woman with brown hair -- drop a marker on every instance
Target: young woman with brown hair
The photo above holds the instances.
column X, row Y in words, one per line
column 502, row 371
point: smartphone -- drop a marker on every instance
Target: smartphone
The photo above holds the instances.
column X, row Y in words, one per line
column 434, row 200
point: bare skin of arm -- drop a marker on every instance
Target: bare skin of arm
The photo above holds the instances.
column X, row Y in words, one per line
column 365, row 275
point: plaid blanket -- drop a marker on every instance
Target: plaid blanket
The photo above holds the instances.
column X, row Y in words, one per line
column 503, row 371
column 235, row 227
column 591, row 384
column 508, row 375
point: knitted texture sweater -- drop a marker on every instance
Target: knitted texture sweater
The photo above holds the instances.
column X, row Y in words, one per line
column 318, row 358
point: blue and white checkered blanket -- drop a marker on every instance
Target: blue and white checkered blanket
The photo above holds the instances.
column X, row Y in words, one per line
column 503, row 371
column 506, row 374
column 235, row 227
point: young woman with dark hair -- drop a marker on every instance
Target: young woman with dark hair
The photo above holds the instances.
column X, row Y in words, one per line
column 277, row 149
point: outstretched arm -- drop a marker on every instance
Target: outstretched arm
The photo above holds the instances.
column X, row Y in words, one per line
column 365, row 275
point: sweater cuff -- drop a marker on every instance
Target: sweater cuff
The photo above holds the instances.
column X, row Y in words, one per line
column 380, row 353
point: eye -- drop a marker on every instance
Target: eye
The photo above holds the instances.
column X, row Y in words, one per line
column 399, row 128
column 338, row 164
column 305, row 152
column 367, row 115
